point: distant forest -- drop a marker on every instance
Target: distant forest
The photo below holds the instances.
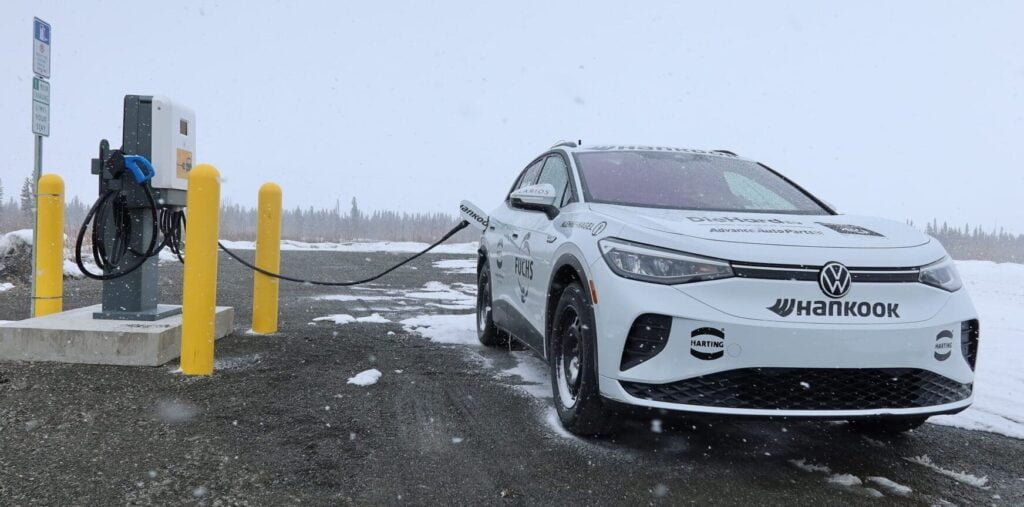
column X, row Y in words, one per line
column 354, row 224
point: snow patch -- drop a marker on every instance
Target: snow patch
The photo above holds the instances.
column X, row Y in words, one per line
column 344, row 318
column 366, row 378
column 351, row 297
column 802, row 464
column 440, row 291
column 454, row 329
column 925, row 461
column 533, row 373
column 890, row 486
column 845, row 480
column 6, row 286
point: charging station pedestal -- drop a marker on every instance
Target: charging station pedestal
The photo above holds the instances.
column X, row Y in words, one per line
column 129, row 327
column 157, row 129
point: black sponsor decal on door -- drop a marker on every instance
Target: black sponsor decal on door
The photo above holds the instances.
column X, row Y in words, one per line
column 943, row 345
column 707, row 343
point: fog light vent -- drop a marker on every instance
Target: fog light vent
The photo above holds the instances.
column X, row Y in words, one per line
column 969, row 334
column 647, row 337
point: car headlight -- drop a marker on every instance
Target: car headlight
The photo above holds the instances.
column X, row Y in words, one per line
column 942, row 274
column 657, row 265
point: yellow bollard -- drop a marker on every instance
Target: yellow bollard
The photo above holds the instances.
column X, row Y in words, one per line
column 200, row 276
column 268, row 257
column 49, row 269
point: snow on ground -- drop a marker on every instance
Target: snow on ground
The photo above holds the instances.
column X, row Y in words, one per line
column 845, row 480
column 6, row 286
column 802, row 464
column 366, row 378
column 352, row 297
column 456, row 329
column 457, row 266
column 343, row 318
column 890, row 486
column 375, row 246
column 998, row 294
column 966, row 478
column 437, row 290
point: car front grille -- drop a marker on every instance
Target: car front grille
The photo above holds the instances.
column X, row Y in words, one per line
column 808, row 389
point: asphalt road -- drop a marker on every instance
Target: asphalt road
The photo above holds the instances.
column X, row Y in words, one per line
column 278, row 425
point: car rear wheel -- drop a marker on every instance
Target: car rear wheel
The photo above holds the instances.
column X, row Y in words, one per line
column 488, row 334
column 573, row 367
column 884, row 427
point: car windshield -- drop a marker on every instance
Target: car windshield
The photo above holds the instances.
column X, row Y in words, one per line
column 679, row 180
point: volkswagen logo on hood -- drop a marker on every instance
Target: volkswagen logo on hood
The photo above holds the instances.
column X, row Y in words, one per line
column 834, row 280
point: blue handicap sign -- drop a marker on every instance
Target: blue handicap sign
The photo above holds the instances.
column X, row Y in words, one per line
column 41, row 30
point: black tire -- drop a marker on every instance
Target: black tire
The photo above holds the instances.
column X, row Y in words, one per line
column 486, row 331
column 573, row 367
column 887, row 427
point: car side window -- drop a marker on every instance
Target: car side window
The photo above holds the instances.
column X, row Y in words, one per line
column 529, row 176
column 556, row 173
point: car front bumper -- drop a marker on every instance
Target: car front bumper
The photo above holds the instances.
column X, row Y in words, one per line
column 764, row 365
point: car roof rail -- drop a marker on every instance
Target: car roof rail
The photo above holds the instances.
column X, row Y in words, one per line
column 727, row 152
column 570, row 144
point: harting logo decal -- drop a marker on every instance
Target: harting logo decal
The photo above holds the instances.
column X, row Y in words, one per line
column 835, row 280
column 707, row 343
column 784, row 307
column 943, row 345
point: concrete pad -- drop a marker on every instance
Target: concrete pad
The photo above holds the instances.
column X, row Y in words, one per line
column 75, row 337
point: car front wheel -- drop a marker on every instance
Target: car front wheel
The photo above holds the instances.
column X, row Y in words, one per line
column 488, row 334
column 573, row 367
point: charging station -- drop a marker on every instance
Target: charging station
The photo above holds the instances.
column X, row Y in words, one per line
column 163, row 133
column 140, row 212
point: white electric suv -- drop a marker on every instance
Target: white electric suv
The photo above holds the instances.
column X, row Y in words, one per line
column 701, row 281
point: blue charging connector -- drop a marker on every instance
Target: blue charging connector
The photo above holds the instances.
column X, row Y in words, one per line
column 141, row 169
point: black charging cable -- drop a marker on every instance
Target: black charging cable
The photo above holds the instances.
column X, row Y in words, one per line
column 449, row 234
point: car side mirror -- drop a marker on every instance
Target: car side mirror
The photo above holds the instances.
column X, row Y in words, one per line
column 539, row 197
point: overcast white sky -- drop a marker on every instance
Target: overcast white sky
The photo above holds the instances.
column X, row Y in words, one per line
column 905, row 110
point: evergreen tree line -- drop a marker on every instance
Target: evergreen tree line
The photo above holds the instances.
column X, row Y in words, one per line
column 975, row 243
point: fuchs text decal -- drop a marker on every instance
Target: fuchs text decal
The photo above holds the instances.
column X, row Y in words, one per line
column 855, row 230
column 784, row 307
column 707, row 343
column 943, row 345
column 524, row 268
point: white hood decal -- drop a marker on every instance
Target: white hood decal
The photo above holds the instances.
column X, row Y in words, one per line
column 837, row 231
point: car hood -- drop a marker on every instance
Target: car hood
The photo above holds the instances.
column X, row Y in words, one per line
column 824, row 231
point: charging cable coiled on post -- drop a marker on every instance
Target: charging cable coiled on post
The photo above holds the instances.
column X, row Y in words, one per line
column 169, row 224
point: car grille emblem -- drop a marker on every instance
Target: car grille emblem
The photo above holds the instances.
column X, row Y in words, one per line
column 834, row 280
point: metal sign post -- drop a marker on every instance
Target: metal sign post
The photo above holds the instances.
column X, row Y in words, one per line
column 41, row 32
